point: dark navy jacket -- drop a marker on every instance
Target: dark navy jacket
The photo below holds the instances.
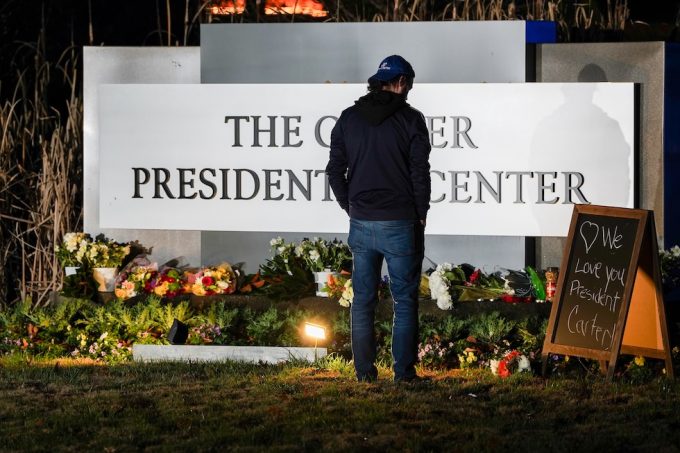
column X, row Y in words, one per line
column 378, row 167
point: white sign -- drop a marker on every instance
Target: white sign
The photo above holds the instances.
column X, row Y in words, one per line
column 507, row 159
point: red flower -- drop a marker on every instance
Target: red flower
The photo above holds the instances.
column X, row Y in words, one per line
column 474, row 276
column 503, row 370
column 207, row 281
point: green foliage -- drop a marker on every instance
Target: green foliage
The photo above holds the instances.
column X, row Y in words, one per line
column 338, row 364
column 80, row 328
column 80, row 285
column 264, row 328
column 220, row 315
column 297, row 284
column 452, row 328
column 167, row 314
column 531, row 333
column 341, row 332
column 491, row 328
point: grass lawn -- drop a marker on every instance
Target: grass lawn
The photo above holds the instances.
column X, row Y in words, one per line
column 79, row 406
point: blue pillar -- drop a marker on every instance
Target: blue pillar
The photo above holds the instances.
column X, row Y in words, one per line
column 671, row 145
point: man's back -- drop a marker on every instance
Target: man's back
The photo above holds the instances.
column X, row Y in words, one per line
column 382, row 144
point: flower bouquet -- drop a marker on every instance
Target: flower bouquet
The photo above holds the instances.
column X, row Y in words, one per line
column 339, row 287
column 320, row 255
column 283, row 258
column 166, row 283
column 449, row 283
column 133, row 279
column 510, row 363
column 105, row 253
column 211, row 280
column 73, row 248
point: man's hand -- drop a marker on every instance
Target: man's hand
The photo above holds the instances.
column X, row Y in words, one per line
column 423, row 222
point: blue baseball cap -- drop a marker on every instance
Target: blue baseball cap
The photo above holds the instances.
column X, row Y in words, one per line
column 391, row 68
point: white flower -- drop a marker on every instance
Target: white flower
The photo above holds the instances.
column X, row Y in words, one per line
column 314, row 255
column 675, row 250
column 523, row 363
column 281, row 249
column 275, row 242
column 347, row 294
column 444, row 302
column 71, row 241
column 445, row 267
column 299, row 250
column 493, row 364
column 222, row 284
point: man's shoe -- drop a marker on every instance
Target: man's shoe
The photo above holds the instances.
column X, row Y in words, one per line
column 411, row 379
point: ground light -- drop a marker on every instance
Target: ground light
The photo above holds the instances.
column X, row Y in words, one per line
column 317, row 332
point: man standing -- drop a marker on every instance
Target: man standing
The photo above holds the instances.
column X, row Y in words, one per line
column 380, row 174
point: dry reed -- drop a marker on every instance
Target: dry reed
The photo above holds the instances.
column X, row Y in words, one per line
column 40, row 172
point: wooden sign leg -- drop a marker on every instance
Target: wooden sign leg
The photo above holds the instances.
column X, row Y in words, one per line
column 603, row 367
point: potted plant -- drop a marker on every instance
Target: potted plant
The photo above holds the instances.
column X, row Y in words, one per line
column 324, row 259
column 105, row 257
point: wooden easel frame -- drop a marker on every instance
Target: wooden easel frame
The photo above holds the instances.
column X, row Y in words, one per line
column 644, row 259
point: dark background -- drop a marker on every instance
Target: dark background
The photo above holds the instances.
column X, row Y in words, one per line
column 143, row 22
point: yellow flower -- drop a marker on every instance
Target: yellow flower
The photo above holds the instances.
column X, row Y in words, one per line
column 160, row 290
column 198, row 289
column 640, row 361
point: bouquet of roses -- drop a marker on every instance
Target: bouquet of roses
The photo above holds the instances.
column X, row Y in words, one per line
column 134, row 278
column 211, row 280
column 166, row 283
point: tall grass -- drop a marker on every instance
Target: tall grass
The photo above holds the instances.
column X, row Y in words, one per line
column 40, row 173
column 569, row 15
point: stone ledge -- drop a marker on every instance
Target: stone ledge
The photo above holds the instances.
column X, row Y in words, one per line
column 250, row 354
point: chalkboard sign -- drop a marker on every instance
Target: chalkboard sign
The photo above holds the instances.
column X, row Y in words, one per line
column 610, row 264
column 595, row 279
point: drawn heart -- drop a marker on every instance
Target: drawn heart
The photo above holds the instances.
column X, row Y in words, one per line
column 589, row 232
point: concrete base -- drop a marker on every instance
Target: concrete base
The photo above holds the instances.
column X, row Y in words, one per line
column 251, row 354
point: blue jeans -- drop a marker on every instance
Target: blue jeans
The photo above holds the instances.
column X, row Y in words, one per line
column 401, row 243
